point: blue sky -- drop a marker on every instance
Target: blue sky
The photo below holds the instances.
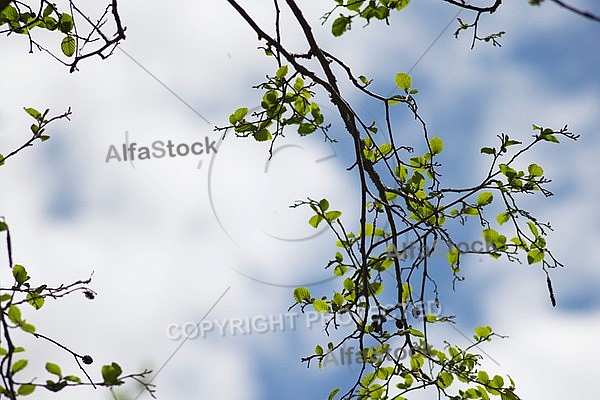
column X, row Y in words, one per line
column 165, row 237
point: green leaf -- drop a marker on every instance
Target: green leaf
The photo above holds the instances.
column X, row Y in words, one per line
column 333, row 215
column 485, row 198
column 35, row 300
column 318, row 350
column 324, row 204
column 321, row 306
column 340, row 25
column 26, row 389
column 55, row 386
column 48, row 10
column 73, row 378
column 65, row 23
column 503, row 217
column 340, row 270
column 14, row 314
column 18, row 366
column 445, row 380
column 535, row 170
column 403, row 81
column 68, row 46
column 497, row 382
column 535, row 256
column 306, row 129
column 483, row 377
column 488, row 150
column 401, row 172
column 348, row 284
column 417, row 361
column 262, row 135
column 238, row 115
column 338, row 299
column 452, row 256
column 533, row 229
column 10, row 13
column 333, row 393
column 27, row 327
column 482, row 332
column 315, row 220
column 471, row 211
column 281, row 72
column 111, row 373
column 377, row 288
column 20, row 274
column 301, row 294
column 401, row 4
column 33, row 112
column 437, row 145
column 53, row 369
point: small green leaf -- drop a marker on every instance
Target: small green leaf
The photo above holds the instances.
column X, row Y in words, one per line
column 34, row 113
column 340, row 25
column 482, row 332
column 111, row 373
column 452, row 256
column 333, row 215
column 483, row 377
column 238, row 115
column 315, row 220
column 48, row 10
column 306, row 129
column 35, row 300
column 262, row 135
column 333, row 393
column 53, row 369
column 324, row 204
column 338, row 299
column 20, row 274
column 497, row 382
column 535, row 170
column 301, row 294
column 10, row 13
column 281, row 72
column 26, row 389
column 502, row 218
column 403, row 81
column 534, row 256
column 437, row 145
column 533, row 229
column 485, row 198
column 445, row 380
column 14, row 314
column 488, row 150
column 27, row 327
column 18, row 366
column 318, row 350
column 65, row 23
column 471, row 211
column 348, row 284
column 321, row 306
column 68, row 46
column 73, row 378
column 416, row 332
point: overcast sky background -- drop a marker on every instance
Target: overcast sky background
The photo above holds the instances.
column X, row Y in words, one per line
column 167, row 237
